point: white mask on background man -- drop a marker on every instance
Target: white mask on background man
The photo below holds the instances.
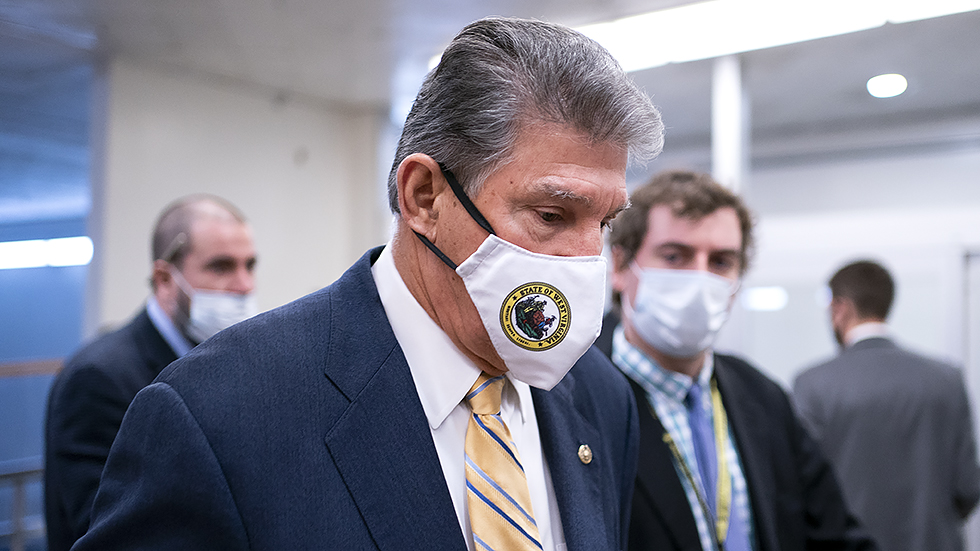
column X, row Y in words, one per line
column 213, row 311
column 542, row 312
column 679, row 312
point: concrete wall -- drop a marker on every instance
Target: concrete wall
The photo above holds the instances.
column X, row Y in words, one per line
column 303, row 172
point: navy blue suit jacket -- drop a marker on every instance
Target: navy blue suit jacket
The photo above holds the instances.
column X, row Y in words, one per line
column 302, row 429
column 85, row 408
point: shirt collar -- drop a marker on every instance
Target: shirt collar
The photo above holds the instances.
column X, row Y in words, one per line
column 443, row 375
column 651, row 375
column 165, row 326
column 866, row 330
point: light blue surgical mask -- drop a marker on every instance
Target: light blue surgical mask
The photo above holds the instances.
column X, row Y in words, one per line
column 679, row 312
column 213, row 311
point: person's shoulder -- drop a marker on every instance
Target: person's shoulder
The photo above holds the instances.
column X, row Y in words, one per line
column 738, row 365
column 595, row 365
column 894, row 354
column 100, row 367
column 260, row 339
column 597, row 391
column 733, row 367
column 816, row 371
column 932, row 365
column 109, row 351
column 288, row 340
column 595, row 374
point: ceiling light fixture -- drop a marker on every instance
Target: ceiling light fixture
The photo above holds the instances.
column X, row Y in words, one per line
column 38, row 253
column 887, row 86
column 765, row 299
column 721, row 27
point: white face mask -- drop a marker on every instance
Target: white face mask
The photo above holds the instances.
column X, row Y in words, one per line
column 213, row 311
column 679, row 312
column 542, row 312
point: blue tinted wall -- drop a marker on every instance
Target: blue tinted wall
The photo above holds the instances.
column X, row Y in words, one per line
column 41, row 312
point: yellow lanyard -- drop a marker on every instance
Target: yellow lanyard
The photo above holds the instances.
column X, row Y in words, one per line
column 723, row 504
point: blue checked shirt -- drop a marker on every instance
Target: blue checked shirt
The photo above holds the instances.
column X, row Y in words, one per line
column 665, row 393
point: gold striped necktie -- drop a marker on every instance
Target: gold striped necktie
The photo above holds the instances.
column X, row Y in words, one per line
column 496, row 488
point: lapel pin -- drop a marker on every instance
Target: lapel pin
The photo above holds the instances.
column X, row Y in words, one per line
column 585, row 454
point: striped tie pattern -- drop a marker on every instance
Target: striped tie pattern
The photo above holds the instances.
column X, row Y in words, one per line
column 496, row 488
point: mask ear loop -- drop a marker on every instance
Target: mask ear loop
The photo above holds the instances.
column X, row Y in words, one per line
column 182, row 283
column 736, row 286
column 635, row 268
column 464, row 200
column 432, row 247
column 624, row 299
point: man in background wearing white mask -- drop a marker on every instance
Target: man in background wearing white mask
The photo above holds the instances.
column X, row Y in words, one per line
column 443, row 393
column 202, row 281
column 679, row 254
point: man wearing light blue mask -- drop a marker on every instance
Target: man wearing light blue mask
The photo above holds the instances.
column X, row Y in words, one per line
column 443, row 394
column 202, row 281
column 724, row 463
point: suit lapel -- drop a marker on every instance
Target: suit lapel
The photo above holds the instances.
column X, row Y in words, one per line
column 563, row 429
column 383, row 449
column 751, row 427
column 381, row 444
column 657, row 478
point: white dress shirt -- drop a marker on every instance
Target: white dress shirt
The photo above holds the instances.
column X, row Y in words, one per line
column 866, row 330
column 443, row 375
column 177, row 341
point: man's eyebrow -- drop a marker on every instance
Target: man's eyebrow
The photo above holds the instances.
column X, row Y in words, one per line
column 558, row 192
column 219, row 261
column 674, row 245
column 677, row 245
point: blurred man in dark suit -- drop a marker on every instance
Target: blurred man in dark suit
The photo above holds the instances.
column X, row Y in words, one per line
column 202, row 281
column 344, row 420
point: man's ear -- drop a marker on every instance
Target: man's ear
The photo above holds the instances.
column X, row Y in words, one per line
column 164, row 286
column 420, row 182
column 161, row 275
column 842, row 311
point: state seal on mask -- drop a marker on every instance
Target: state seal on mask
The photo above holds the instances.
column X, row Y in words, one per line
column 535, row 316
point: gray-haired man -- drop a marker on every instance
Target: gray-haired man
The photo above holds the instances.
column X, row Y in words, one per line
column 343, row 420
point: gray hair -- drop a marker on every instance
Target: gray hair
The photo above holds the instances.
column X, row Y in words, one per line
column 498, row 76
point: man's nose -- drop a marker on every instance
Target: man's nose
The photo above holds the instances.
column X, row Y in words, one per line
column 243, row 281
column 587, row 243
column 700, row 262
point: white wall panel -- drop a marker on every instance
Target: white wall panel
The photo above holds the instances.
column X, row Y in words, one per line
column 923, row 248
column 304, row 173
